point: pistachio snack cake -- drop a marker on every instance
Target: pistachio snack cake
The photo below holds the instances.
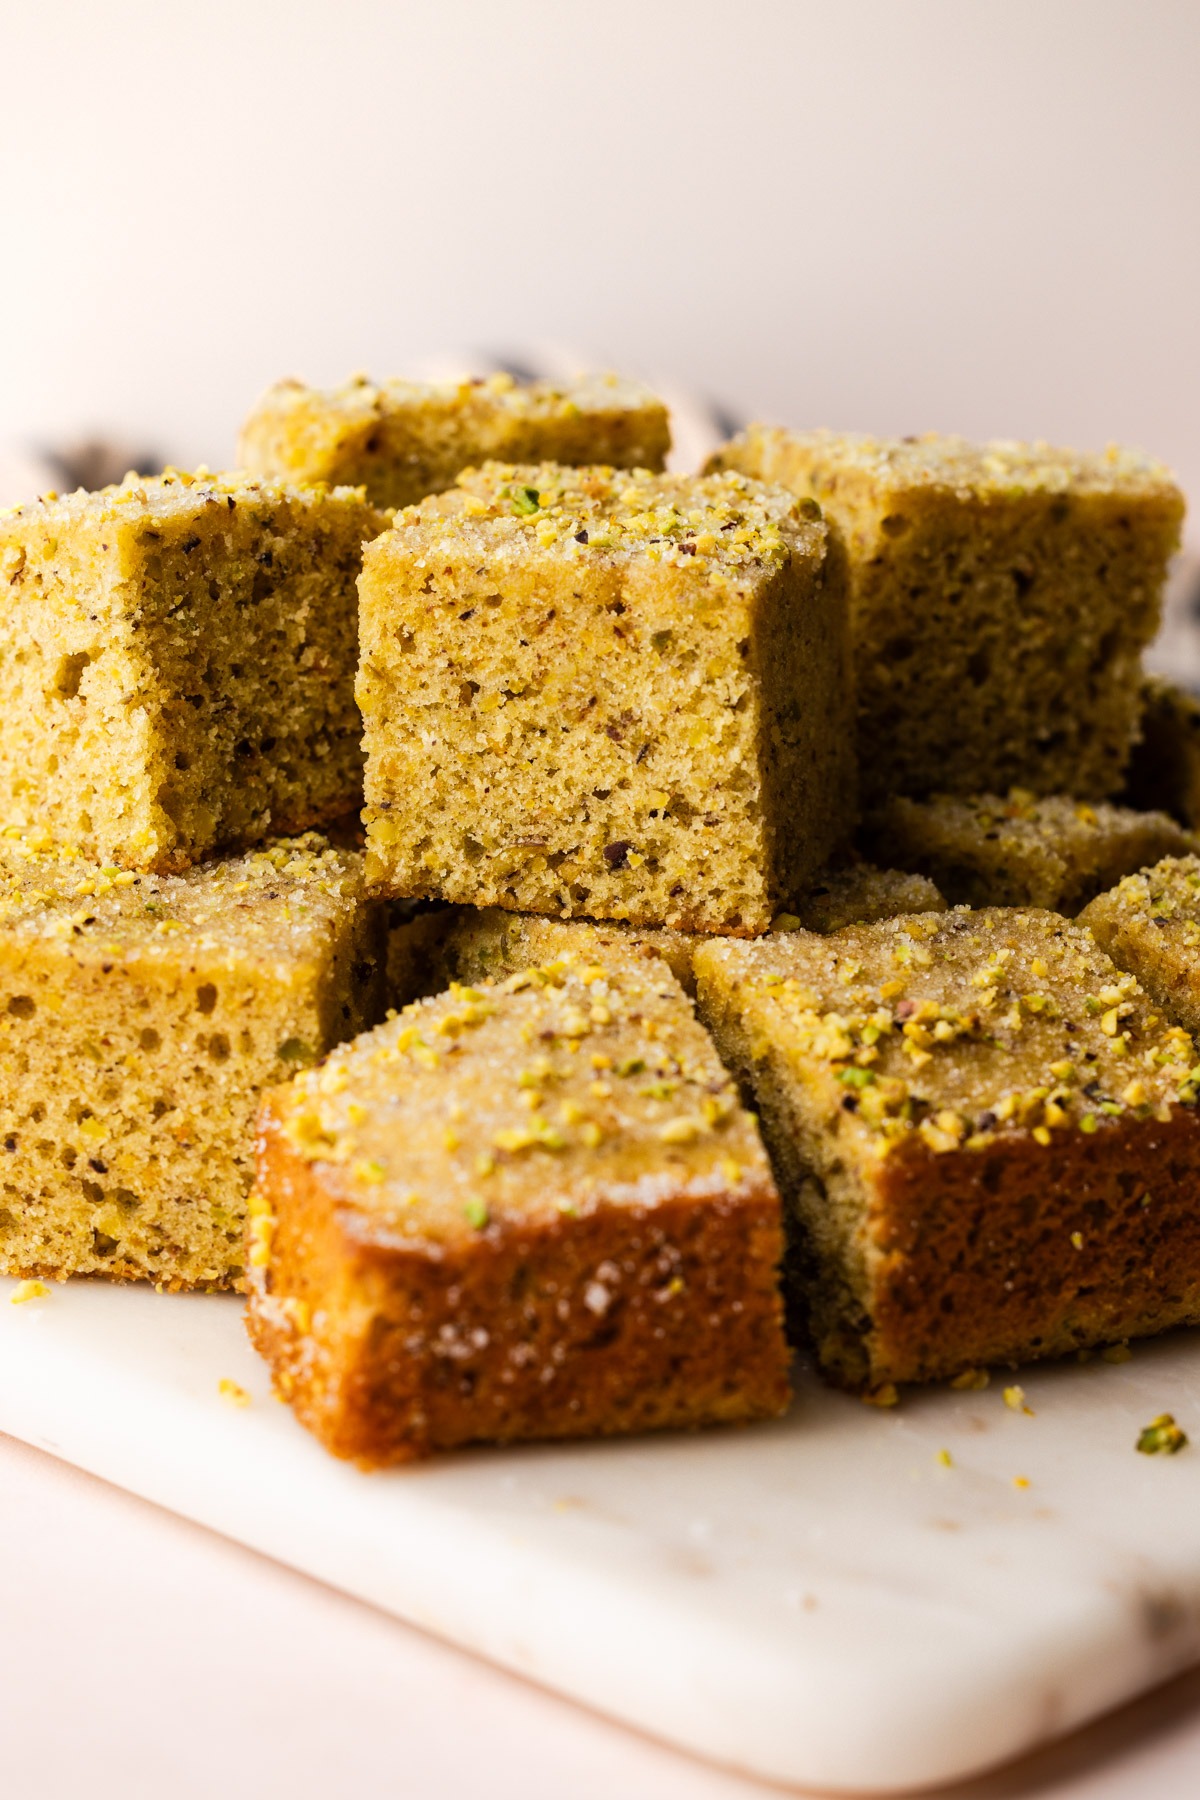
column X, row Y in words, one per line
column 525, row 1210
column 475, row 944
column 1015, row 850
column 1164, row 770
column 1149, row 923
column 859, row 893
column 401, row 440
column 429, row 950
column 1000, row 598
column 622, row 696
column 986, row 1135
column 140, row 1018
column 177, row 661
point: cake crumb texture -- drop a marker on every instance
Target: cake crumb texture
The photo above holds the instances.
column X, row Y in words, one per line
column 1001, row 595
column 140, row 1018
column 177, row 660
column 621, row 696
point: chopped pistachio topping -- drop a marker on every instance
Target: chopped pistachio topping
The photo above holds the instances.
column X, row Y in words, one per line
column 259, row 903
column 718, row 526
column 28, row 1290
column 1003, row 1022
column 1162, row 1437
column 971, row 1379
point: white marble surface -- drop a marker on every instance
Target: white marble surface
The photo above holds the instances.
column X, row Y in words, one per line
column 820, row 1602
column 133, row 1642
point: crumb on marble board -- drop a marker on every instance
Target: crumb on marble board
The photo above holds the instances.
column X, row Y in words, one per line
column 1162, row 1437
column 29, row 1290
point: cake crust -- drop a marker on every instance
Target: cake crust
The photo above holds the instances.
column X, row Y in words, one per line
column 986, row 1135
column 434, row 1263
column 473, row 944
column 430, row 949
column 1021, row 1288
column 1150, row 925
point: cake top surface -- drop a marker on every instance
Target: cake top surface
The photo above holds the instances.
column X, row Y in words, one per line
column 489, row 942
column 721, row 526
column 995, row 469
column 271, row 905
column 569, row 1085
column 858, row 895
column 176, row 494
column 1020, row 824
column 1165, row 897
column 500, row 393
column 543, row 938
column 960, row 1027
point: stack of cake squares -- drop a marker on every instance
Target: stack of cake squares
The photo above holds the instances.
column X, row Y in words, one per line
column 560, row 935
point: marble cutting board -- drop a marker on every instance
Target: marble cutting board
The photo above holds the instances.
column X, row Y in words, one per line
column 826, row 1601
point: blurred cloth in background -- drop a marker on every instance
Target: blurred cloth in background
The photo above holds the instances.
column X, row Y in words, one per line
column 84, row 462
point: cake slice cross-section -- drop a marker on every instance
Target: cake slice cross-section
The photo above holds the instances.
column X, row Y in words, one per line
column 617, row 696
column 177, row 663
column 140, row 1018
column 1001, row 595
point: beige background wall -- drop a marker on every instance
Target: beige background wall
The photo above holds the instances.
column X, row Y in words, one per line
column 889, row 214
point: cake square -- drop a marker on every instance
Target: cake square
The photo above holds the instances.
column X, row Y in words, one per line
column 859, row 893
column 526, row 1210
column 1164, row 770
column 140, row 1018
column 1016, row 850
column 487, row 944
column 1150, row 925
column 401, row 440
column 432, row 948
column 177, row 661
column 613, row 695
column 1000, row 597
column 986, row 1135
